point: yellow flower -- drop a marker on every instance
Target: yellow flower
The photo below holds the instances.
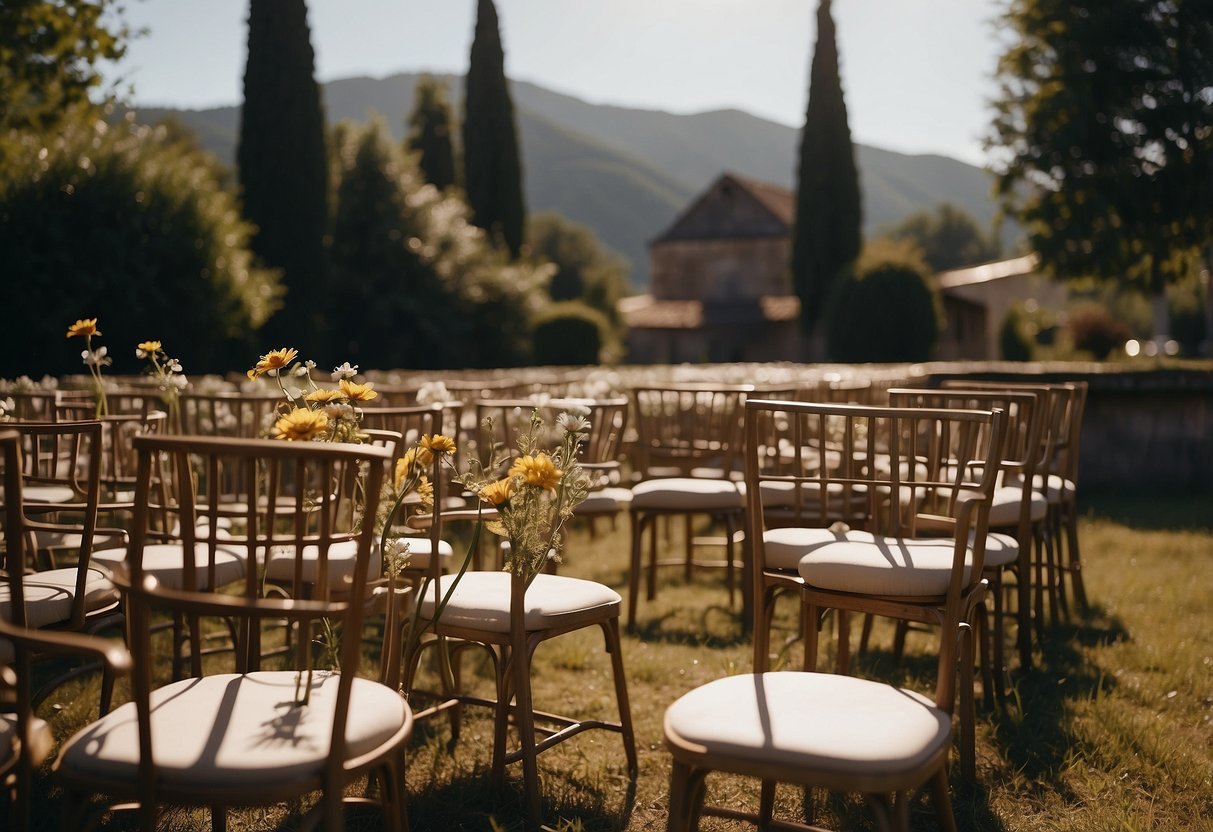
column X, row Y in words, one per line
column 425, row 490
column 536, row 469
column 149, row 346
column 324, row 396
column 438, row 443
column 84, row 326
column 496, row 493
column 273, row 360
column 301, row 425
column 357, row 392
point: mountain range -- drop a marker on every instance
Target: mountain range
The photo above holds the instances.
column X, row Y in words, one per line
column 627, row 173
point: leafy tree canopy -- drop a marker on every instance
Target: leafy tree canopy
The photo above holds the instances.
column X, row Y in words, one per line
column 431, row 134
column 49, row 56
column 129, row 225
column 1103, row 130
column 948, row 237
column 585, row 271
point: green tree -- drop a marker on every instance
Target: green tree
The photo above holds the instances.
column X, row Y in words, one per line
column 430, row 133
column 886, row 309
column 421, row 286
column 282, row 169
column 585, row 271
column 569, row 333
column 49, row 56
column 492, row 170
column 1104, row 125
column 127, row 224
column 949, row 238
column 826, row 237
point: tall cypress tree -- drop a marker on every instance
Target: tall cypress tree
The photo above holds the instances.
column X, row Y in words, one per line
column 492, row 171
column 430, row 133
column 282, row 168
column 827, row 234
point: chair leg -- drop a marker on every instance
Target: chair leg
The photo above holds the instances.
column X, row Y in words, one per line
column 501, row 717
column 651, row 575
column 942, row 800
column 765, row 618
column 766, row 803
column 983, row 654
column 686, row 797
column 1073, row 563
column 634, row 570
column 810, row 629
column 968, row 713
column 883, row 811
column 525, row 717
column 844, row 641
column 615, row 648
column 688, row 529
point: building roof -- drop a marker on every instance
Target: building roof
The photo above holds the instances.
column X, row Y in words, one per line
column 986, row 272
column 645, row 312
column 772, row 211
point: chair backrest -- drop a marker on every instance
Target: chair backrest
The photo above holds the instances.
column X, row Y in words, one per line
column 411, row 422
column 228, row 414
column 892, row 471
column 1026, row 415
column 299, row 497
column 686, row 427
column 511, row 417
column 59, row 493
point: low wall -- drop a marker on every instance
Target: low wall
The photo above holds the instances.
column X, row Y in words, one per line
column 1144, row 430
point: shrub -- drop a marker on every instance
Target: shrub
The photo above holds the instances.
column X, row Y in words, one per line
column 886, row 308
column 1094, row 329
column 569, row 332
column 1014, row 341
column 128, row 225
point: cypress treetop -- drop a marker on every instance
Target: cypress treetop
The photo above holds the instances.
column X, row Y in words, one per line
column 430, row 133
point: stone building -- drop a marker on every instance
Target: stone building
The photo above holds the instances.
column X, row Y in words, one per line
column 720, row 288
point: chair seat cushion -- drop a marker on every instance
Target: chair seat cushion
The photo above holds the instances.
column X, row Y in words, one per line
column 231, row 731
column 341, row 559
column 687, row 493
column 481, row 601
column 166, row 563
column 48, row 596
column 1007, row 501
column 43, row 740
column 783, row 548
column 47, row 494
column 810, row 723
column 605, row 501
column 420, row 549
column 1001, row 549
column 888, row 566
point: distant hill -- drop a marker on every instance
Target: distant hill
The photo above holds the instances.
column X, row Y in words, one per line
column 626, row 173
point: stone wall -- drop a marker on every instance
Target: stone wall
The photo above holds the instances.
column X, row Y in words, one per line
column 1144, row 430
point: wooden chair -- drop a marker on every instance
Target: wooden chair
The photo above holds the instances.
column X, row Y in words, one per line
column 495, row 610
column 901, row 476
column 253, row 736
column 687, row 462
column 26, row 740
column 65, row 587
column 1017, row 513
column 228, row 414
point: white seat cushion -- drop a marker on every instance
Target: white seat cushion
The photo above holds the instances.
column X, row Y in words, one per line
column 341, row 557
column 420, row 548
column 166, row 562
column 1001, row 549
column 47, row 494
column 1006, row 503
column 811, row 723
column 687, row 493
column 783, row 548
column 481, row 601
column 605, row 501
column 43, row 739
column 891, row 566
column 48, row 596
column 234, row 731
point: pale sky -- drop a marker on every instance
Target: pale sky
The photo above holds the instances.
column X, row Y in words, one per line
column 917, row 74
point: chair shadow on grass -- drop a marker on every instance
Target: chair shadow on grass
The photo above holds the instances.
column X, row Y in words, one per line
column 673, row 627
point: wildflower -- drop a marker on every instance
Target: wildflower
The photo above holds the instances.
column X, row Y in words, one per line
column 572, row 423
column 357, row 392
column 301, row 425
column 85, row 327
column 147, row 349
column 345, row 371
column 425, row 491
column 536, row 469
column 325, row 396
column 273, row 361
column 438, row 443
column 496, row 493
column 97, row 357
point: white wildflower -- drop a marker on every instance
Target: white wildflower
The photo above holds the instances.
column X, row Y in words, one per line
column 345, row 371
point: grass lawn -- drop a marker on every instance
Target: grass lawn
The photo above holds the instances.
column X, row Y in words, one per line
column 1111, row 730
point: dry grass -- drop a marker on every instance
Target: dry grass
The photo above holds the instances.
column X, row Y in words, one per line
column 1113, row 729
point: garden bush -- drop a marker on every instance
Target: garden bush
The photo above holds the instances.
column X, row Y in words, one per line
column 569, row 332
